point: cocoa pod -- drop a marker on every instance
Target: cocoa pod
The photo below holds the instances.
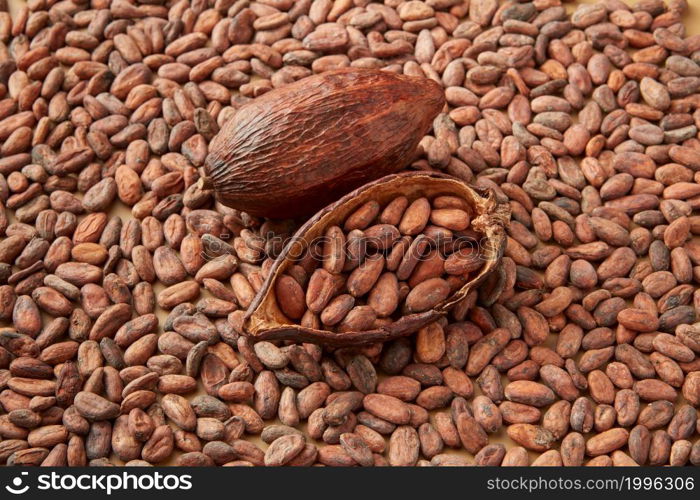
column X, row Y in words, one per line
column 265, row 319
column 375, row 107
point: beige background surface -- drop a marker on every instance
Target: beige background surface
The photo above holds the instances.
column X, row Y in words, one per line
column 692, row 22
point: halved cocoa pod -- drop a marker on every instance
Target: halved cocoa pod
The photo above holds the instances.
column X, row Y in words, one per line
column 339, row 314
column 302, row 146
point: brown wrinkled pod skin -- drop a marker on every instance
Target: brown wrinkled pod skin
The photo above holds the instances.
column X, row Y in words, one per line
column 265, row 321
column 300, row 147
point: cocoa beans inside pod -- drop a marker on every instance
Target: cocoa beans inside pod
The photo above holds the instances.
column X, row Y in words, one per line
column 297, row 148
column 381, row 262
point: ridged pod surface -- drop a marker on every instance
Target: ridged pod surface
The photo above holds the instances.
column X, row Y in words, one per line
column 295, row 149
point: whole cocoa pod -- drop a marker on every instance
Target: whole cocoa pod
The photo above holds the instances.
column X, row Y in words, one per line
column 302, row 146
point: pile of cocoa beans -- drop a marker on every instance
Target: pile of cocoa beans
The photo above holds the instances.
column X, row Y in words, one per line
column 403, row 258
column 124, row 284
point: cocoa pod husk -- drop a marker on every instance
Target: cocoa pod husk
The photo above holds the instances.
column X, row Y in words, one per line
column 264, row 319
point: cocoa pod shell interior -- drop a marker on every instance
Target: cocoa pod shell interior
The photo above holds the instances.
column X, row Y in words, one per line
column 264, row 319
column 295, row 149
